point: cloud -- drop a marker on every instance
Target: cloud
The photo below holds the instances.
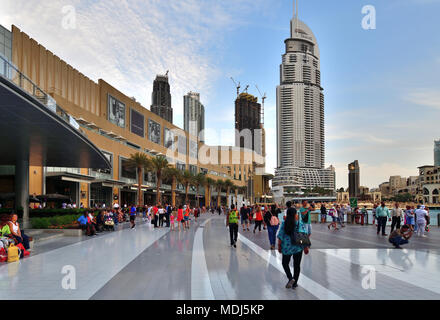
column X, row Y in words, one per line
column 424, row 97
column 127, row 43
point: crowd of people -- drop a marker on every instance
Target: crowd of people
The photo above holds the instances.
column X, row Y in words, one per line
column 14, row 243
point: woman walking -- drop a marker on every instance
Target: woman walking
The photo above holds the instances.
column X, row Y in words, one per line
column 258, row 219
column 287, row 249
column 272, row 222
column 180, row 217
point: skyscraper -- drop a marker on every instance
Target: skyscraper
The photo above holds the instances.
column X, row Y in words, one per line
column 437, row 153
column 353, row 179
column 161, row 98
column 300, row 115
column 248, row 125
column 194, row 115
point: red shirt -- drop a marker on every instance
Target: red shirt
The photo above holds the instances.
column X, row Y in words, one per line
column 259, row 216
column 155, row 209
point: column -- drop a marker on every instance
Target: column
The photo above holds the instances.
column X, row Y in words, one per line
column 22, row 187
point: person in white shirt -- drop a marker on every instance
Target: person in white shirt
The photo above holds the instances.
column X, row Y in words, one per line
column 396, row 216
column 421, row 214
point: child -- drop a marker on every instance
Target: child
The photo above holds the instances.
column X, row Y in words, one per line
column 400, row 236
column 172, row 221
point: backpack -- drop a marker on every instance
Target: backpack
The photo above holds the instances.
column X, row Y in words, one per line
column 13, row 253
column 274, row 221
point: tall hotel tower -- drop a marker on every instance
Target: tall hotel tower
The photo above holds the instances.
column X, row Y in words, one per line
column 161, row 98
column 300, row 116
column 194, row 115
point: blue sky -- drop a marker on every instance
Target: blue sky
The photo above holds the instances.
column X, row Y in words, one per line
column 382, row 98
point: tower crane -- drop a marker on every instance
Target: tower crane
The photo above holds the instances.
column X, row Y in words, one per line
column 246, row 88
column 237, row 86
column 263, row 97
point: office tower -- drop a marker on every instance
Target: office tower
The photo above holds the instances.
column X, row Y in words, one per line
column 249, row 133
column 194, row 115
column 353, row 179
column 161, row 98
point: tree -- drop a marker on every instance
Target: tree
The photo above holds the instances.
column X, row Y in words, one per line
column 159, row 164
column 186, row 179
column 139, row 161
column 209, row 183
column 219, row 184
column 173, row 174
column 199, row 180
column 228, row 184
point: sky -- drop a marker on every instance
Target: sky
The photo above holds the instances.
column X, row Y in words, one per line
column 381, row 86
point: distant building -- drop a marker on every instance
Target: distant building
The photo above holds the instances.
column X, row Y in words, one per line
column 353, row 179
column 437, row 153
column 194, row 115
column 161, row 98
column 248, row 123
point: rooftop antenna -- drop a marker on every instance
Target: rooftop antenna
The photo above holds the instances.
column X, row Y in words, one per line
column 263, row 97
column 237, row 86
column 296, row 30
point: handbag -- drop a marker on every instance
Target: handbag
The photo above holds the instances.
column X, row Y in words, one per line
column 300, row 238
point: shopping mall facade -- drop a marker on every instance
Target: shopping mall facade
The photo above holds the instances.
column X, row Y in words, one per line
column 118, row 126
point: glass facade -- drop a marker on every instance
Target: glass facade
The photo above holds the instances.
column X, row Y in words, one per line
column 437, row 153
column 137, row 121
column 6, row 43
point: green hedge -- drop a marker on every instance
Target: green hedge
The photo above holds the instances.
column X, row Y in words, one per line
column 57, row 222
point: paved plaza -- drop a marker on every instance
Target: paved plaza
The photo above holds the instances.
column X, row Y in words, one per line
column 199, row 264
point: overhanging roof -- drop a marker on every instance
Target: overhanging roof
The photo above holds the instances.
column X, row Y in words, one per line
column 26, row 124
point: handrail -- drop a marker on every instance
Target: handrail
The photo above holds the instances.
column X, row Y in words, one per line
column 10, row 72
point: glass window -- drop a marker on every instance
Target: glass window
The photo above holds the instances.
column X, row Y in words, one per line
column 153, row 131
column 127, row 171
column 116, row 112
column 106, row 172
column 193, row 169
column 137, row 123
column 181, row 166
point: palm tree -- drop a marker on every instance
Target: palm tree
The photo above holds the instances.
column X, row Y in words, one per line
column 228, row 184
column 139, row 161
column 159, row 164
column 186, row 179
column 209, row 183
column 199, row 180
column 219, row 184
column 173, row 174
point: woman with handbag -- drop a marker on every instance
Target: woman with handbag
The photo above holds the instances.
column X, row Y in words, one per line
column 292, row 239
column 258, row 216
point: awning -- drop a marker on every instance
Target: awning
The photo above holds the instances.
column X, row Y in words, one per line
column 68, row 176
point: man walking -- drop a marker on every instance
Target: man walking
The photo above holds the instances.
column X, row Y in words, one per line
column 396, row 216
column 421, row 215
column 382, row 213
column 244, row 214
column 168, row 211
column 232, row 222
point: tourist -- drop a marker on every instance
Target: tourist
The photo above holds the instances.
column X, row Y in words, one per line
column 16, row 233
column 334, row 214
column 186, row 212
column 168, row 212
column 273, row 223
column 355, row 216
column 133, row 216
column 155, row 216
column 85, row 224
column 364, row 213
column 305, row 215
column 196, row 213
column 323, row 213
column 258, row 219
column 409, row 217
column 396, row 216
column 232, row 218
column 161, row 212
column 244, row 214
column 400, row 236
column 421, row 214
column 171, row 221
column 180, row 217
column 287, row 248
column 382, row 213
column 373, row 211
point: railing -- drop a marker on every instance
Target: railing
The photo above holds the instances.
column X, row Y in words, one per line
column 11, row 72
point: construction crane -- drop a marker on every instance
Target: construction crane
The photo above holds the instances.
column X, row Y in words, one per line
column 166, row 74
column 237, row 86
column 263, row 97
column 246, row 89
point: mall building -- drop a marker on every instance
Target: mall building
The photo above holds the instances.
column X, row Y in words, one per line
column 118, row 126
